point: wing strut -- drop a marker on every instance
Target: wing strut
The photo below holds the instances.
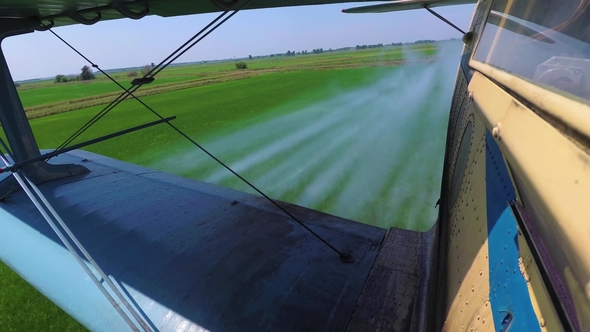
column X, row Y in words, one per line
column 444, row 19
column 55, row 153
column 393, row 6
column 49, row 213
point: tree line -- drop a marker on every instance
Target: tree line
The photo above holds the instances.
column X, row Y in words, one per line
column 358, row 47
column 362, row 47
column 85, row 75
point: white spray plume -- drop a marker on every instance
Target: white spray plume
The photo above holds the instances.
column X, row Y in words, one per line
column 373, row 154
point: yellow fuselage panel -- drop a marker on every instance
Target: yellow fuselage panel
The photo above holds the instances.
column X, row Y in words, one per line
column 468, row 272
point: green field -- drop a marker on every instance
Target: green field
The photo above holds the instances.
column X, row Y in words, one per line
column 43, row 94
column 359, row 134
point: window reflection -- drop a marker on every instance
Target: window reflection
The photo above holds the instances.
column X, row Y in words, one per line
column 546, row 41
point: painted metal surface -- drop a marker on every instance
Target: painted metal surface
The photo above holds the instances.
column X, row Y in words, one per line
column 19, row 135
column 467, row 269
column 486, row 291
column 534, row 180
column 65, row 12
column 553, row 182
column 546, row 308
column 488, row 283
column 572, row 113
column 475, row 28
column 509, row 294
column 12, row 115
column 192, row 256
column 391, row 299
column 405, row 5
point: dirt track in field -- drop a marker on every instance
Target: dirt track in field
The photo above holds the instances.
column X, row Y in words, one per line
column 201, row 79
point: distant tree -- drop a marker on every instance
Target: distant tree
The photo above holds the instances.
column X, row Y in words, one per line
column 288, row 53
column 60, row 79
column 241, row 65
column 424, row 41
column 250, row 57
column 16, row 84
column 132, row 74
column 362, row 47
column 146, row 69
column 86, row 74
column 153, row 65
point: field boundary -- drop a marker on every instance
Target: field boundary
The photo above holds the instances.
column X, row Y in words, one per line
column 42, row 110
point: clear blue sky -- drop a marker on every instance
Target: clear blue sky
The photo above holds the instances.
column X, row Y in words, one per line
column 130, row 43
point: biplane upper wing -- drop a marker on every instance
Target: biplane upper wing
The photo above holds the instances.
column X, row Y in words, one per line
column 65, row 12
column 405, row 5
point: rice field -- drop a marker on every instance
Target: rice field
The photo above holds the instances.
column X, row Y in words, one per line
column 359, row 134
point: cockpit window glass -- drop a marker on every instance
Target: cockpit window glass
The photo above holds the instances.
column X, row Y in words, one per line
column 545, row 41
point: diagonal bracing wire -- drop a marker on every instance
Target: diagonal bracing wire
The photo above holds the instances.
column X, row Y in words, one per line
column 162, row 65
column 346, row 258
column 129, row 92
column 440, row 17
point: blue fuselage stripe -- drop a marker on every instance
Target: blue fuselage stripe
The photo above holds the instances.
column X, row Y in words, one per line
column 509, row 297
